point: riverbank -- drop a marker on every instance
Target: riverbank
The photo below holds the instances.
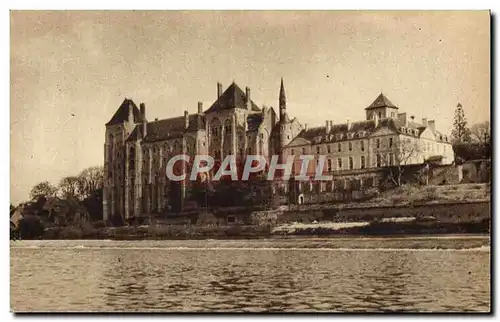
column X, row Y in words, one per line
column 409, row 210
column 177, row 232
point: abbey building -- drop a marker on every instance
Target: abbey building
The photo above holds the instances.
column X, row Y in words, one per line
column 136, row 150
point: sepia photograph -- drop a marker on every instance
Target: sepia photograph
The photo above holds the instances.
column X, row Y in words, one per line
column 231, row 161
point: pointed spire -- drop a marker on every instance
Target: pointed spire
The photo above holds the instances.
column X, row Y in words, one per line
column 282, row 102
column 282, row 91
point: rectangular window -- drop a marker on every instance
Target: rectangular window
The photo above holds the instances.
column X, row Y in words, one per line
column 329, row 165
column 340, row 147
column 291, row 152
column 317, row 150
column 362, row 162
column 303, row 150
column 350, row 146
column 339, row 163
column 391, row 159
column 390, row 142
column 378, row 143
column 328, row 149
column 351, row 163
column 362, row 145
column 379, row 160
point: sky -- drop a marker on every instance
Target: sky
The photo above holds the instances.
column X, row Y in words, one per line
column 71, row 70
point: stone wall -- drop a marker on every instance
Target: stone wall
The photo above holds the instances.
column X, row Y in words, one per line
column 452, row 212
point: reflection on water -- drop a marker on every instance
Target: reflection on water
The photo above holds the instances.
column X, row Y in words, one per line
column 260, row 275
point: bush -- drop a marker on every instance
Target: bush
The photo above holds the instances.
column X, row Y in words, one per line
column 31, row 227
column 71, row 233
column 99, row 224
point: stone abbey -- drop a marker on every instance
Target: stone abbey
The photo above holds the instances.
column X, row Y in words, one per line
column 136, row 151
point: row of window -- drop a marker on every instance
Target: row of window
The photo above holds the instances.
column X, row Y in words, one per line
column 350, row 163
column 381, row 161
column 349, row 145
column 340, row 136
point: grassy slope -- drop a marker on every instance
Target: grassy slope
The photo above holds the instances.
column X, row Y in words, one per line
column 409, row 194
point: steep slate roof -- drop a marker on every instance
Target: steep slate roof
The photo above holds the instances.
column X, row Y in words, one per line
column 233, row 97
column 168, row 128
column 122, row 113
column 356, row 127
column 381, row 101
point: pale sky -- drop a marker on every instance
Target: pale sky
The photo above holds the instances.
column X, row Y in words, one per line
column 334, row 64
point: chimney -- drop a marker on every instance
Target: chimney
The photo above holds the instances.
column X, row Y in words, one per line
column 375, row 119
column 130, row 112
column 144, row 128
column 402, row 118
column 305, row 126
column 200, row 107
column 143, row 110
column 247, row 97
column 424, row 122
column 348, row 125
column 432, row 125
column 219, row 89
column 186, row 119
column 328, row 127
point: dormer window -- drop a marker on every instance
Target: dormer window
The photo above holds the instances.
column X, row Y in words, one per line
column 339, row 136
column 350, row 135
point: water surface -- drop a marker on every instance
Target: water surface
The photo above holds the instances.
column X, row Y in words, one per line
column 438, row 274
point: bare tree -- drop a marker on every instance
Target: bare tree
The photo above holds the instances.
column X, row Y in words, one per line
column 481, row 133
column 400, row 155
column 68, row 187
column 89, row 181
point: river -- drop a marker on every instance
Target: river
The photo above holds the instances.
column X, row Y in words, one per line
column 417, row 274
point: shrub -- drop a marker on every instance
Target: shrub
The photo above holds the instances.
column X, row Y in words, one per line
column 71, row 233
column 99, row 224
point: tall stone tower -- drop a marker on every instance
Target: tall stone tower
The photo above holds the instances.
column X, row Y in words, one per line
column 285, row 127
column 118, row 129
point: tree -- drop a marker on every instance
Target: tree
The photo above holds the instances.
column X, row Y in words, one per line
column 403, row 150
column 90, row 184
column 89, row 181
column 68, row 187
column 460, row 132
column 43, row 190
column 481, row 133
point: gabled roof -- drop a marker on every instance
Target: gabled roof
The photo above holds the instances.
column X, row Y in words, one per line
column 381, row 101
column 233, row 97
column 121, row 114
column 168, row 128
